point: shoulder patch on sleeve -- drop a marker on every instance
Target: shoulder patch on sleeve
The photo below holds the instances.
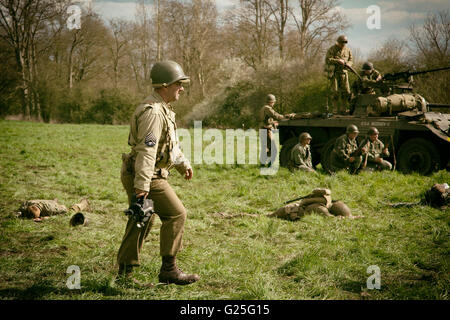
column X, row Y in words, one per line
column 150, row 139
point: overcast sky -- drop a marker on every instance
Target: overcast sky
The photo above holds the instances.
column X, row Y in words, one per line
column 395, row 17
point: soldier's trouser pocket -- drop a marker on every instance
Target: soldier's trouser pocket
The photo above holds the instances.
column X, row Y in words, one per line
column 127, row 175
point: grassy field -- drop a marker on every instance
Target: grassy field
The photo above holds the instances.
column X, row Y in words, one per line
column 239, row 258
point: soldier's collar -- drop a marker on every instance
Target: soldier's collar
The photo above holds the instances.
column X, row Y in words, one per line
column 155, row 97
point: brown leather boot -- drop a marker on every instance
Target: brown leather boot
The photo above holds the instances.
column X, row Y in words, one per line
column 171, row 274
column 125, row 272
column 83, row 205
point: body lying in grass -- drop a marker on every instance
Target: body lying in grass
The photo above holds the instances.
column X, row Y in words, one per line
column 42, row 209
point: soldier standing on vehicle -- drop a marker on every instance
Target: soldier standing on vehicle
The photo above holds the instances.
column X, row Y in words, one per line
column 375, row 152
column 268, row 120
column 369, row 79
column 346, row 153
column 338, row 56
column 301, row 154
column 154, row 151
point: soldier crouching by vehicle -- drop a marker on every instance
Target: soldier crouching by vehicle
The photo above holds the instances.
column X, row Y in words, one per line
column 375, row 152
column 154, row 151
column 346, row 153
column 301, row 154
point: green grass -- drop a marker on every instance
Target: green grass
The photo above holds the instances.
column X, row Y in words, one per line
column 238, row 258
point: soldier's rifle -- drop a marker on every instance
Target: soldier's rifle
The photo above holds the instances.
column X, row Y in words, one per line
column 349, row 67
column 406, row 74
column 364, row 165
column 296, row 199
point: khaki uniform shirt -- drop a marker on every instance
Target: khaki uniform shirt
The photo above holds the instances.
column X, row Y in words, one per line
column 344, row 147
column 267, row 115
column 301, row 156
column 155, row 146
column 367, row 83
column 374, row 149
column 47, row 207
column 334, row 54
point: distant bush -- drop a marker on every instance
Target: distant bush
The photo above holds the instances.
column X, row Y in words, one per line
column 112, row 107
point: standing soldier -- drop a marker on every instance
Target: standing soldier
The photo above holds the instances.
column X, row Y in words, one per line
column 268, row 120
column 338, row 56
column 369, row 79
column 154, row 151
column 375, row 152
column 346, row 153
column 301, row 154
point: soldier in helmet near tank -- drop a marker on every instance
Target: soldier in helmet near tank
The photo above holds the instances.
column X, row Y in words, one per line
column 269, row 121
column 301, row 154
column 369, row 79
column 346, row 153
column 375, row 152
column 154, row 151
column 338, row 56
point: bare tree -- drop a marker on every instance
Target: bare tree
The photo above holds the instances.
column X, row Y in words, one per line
column 117, row 46
column 318, row 23
column 390, row 57
column 431, row 45
column 194, row 39
column 280, row 12
column 432, row 41
column 21, row 22
column 251, row 32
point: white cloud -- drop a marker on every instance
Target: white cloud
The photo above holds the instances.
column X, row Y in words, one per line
column 110, row 9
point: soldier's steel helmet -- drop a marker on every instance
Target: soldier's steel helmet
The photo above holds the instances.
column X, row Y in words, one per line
column 164, row 73
column 372, row 131
column 367, row 66
column 270, row 98
column 304, row 136
column 338, row 208
column 352, row 128
column 342, row 39
column 78, row 219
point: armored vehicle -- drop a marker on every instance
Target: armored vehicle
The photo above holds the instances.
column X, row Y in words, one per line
column 415, row 131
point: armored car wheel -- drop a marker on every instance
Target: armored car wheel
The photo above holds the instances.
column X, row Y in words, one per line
column 418, row 155
column 285, row 153
column 325, row 157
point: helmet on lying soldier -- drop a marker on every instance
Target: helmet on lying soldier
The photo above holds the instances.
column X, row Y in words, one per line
column 339, row 208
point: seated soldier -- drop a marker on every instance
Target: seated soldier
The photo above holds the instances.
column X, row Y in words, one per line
column 319, row 201
column 42, row 209
column 346, row 153
column 301, row 154
column 375, row 152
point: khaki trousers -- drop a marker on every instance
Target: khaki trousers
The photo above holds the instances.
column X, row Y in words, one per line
column 340, row 92
column 169, row 209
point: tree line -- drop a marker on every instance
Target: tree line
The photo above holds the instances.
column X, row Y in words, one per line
column 100, row 71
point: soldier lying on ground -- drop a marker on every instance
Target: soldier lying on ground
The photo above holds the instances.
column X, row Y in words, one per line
column 438, row 196
column 42, row 209
column 319, row 201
